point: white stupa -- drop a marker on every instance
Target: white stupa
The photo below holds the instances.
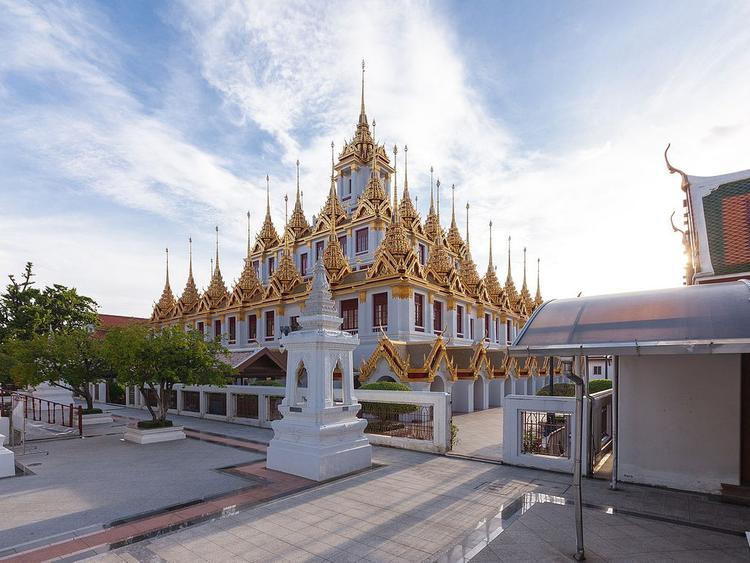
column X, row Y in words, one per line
column 319, row 436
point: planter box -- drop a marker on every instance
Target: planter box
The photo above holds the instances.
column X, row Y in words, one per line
column 101, row 418
column 153, row 435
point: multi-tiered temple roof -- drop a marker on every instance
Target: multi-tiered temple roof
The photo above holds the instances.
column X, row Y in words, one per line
column 407, row 251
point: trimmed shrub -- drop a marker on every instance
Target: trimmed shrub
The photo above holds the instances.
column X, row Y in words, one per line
column 269, row 382
column 569, row 389
column 91, row 411
column 596, row 385
column 148, row 424
column 385, row 386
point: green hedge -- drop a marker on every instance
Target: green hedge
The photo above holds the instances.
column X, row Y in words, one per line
column 385, row 386
column 154, row 424
column 91, row 411
column 269, row 382
column 569, row 389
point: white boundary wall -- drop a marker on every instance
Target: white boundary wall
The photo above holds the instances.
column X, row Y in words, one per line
column 512, row 440
column 679, row 423
column 441, row 403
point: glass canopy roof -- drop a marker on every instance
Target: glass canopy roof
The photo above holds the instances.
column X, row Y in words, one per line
column 707, row 318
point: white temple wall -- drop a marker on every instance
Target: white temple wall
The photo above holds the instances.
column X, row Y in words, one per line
column 679, row 423
column 462, row 396
column 496, row 392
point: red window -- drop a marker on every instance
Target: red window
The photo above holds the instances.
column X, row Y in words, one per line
column 497, row 330
column 419, row 312
column 380, row 311
column 271, row 265
column 487, row 324
column 422, row 254
column 319, row 246
column 201, row 328
column 303, row 264
column 459, row 321
column 437, row 317
column 507, row 331
column 252, row 328
column 349, row 187
column 269, row 325
column 350, row 314
column 232, row 330
column 342, row 243
column 256, row 267
column 471, row 329
column 361, row 240
column 217, row 328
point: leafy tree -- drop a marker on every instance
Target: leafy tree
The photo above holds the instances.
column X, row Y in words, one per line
column 70, row 359
column 156, row 360
column 26, row 311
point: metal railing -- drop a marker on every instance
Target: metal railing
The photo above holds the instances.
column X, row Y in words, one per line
column 545, row 433
column 42, row 410
column 400, row 420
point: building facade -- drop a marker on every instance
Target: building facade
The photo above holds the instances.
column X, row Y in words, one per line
column 399, row 282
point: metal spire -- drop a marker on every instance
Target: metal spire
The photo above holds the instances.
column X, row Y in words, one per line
column 467, row 224
column 167, row 281
column 438, row 201
column 490, row 265
column 248, row 232
column 217, row 247
column 453, row 205
column 395, row 180
column 362, row 116
column 298, row 179
column 432, row 202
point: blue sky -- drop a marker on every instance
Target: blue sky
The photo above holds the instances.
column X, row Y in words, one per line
column 128, row 126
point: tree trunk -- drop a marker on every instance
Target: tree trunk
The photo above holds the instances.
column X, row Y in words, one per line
column 163, row 402
column 148, row 405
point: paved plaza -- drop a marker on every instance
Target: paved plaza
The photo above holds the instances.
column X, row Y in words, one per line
column 480, row 434
column 410, row 507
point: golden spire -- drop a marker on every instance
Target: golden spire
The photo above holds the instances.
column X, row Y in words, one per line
column 395, row 180
column 469, row 276
column 268, row 235
column 510, row 287
column 217, row 290
column 286, row 223
column 189, row 297
column 538, row 297
column 335, row 262
column 395, row 255
column 454, row 235
column 298, row 225
column 362, row 114
column 406, row 210
column 248, row 284
column 467, row 224
column 494, row 289
column 167, row 302
column 432, row 222
column 525, row 295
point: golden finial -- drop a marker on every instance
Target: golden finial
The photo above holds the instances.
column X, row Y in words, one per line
column 432, row 203
column 538, row 297
column 190, row 256
column 217, row 247
column 268, row 195
column 332, row 165
column 437, row 184
column 453, row 204
column 298, row 178
column 248, row 232
column 362, row 102
column 406, row 169
column 167, row 283
column 467, row 221
column 490, row 265
column 395, row 179
column 524, row 266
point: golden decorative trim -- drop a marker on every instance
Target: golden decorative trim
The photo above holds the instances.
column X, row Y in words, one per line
column 401, row 291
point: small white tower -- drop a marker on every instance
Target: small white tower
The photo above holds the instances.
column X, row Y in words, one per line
column 319, row 436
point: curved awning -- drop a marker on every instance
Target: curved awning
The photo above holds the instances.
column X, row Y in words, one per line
column 711, row 318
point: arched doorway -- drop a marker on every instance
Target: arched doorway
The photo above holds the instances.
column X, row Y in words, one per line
column 438, row 385
column 480, row 394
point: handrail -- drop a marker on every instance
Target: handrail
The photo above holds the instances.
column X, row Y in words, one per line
column 75, row 412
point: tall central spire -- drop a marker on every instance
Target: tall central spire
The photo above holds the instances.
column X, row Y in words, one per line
column 362, row 114
column 189, row 298
column 467, row 224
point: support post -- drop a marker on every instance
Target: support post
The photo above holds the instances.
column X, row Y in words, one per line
column 615, row 421
column 568, row 371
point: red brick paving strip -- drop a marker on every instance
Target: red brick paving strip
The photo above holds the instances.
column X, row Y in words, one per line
column 271, row 484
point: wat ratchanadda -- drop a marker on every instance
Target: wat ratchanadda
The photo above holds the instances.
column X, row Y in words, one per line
column 408, row 287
